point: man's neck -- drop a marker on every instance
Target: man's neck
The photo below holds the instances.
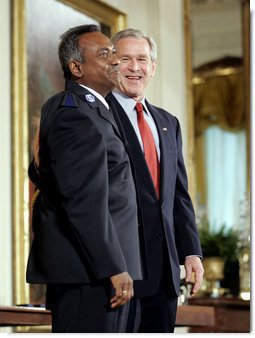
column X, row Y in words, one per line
column 135, row 98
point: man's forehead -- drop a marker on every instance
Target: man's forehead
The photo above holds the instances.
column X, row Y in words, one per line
column 133, row 55
column 133, row 40
column 95, row 39
column 131, row 43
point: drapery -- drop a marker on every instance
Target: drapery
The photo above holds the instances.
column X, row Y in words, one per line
column 220, row 142
column 225, row 158
column 219, row 100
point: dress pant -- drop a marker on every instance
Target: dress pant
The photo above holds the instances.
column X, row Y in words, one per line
column 154, row 314
column 85, row 309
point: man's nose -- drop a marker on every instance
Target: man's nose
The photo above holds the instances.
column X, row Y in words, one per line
column 115, row 60
column 133, row 65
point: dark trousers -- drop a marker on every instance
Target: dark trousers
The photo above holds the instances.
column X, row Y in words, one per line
column 156, row 314
column 85, row 309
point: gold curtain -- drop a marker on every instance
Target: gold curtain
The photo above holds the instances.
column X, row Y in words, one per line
column 218, row 100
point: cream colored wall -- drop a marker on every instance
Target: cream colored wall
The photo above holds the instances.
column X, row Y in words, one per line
column 160, row 18
column 5, row 160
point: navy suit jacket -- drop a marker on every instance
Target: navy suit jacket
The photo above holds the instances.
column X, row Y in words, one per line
column 167, row 224
column 86, row 226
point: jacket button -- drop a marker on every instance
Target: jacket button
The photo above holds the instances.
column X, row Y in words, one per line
column 159, row 236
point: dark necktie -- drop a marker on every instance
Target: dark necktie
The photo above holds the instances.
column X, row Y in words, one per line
column 149, row 146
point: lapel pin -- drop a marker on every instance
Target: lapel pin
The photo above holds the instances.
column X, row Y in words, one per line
column 164, row 129
column 90, row 98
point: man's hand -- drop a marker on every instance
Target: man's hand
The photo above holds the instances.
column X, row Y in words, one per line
column 194, row 265
column 123, row 285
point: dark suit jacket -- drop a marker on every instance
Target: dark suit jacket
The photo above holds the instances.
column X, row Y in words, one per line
column 168, row 223
column 86, row 225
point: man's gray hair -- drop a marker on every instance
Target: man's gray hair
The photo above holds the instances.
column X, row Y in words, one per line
column 137, row 34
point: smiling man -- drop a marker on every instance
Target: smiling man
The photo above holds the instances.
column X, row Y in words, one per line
column 167, row 228
column 85, row 246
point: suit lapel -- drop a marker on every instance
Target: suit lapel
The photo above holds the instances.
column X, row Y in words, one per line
column 165, row 141
column 108, row 116
column 135, row 149
column 119, row 124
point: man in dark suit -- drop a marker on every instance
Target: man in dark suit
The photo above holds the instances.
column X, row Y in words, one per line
column 85, row 246
column 168, row 233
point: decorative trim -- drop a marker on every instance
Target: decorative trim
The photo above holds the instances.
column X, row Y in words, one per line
column 101, row 12
column 191, row 172
column 20, row 153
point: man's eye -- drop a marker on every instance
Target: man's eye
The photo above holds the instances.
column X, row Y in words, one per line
column 104, row 54
column 124, row 59
column 143, row 60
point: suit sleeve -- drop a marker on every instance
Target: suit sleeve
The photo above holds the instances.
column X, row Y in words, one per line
column 33, row 173
column 186, row 234
column 78, row 158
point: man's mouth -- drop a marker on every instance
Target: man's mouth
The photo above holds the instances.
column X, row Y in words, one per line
column 133, row 78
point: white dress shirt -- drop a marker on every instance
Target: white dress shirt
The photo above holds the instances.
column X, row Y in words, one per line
column 128, row 104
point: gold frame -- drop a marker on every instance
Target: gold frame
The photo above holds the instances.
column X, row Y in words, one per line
column 247, row 66
column 20, row 133
column 191, row 165
column 101, row 12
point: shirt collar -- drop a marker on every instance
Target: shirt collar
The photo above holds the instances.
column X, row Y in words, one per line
column 99, row 96
column 127, row 103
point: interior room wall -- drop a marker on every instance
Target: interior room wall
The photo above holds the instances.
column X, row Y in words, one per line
column 211, row 41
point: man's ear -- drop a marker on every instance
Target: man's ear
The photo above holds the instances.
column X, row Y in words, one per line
column 154, row 65
column 75, row 69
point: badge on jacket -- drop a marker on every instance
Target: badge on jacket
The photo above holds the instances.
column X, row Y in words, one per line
column 90, row 98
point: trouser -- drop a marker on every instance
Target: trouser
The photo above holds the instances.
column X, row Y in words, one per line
column 154, row 314
column 85, row 309
column 157, row 312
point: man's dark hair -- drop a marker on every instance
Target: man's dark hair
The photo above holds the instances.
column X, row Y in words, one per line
column 69, row 48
